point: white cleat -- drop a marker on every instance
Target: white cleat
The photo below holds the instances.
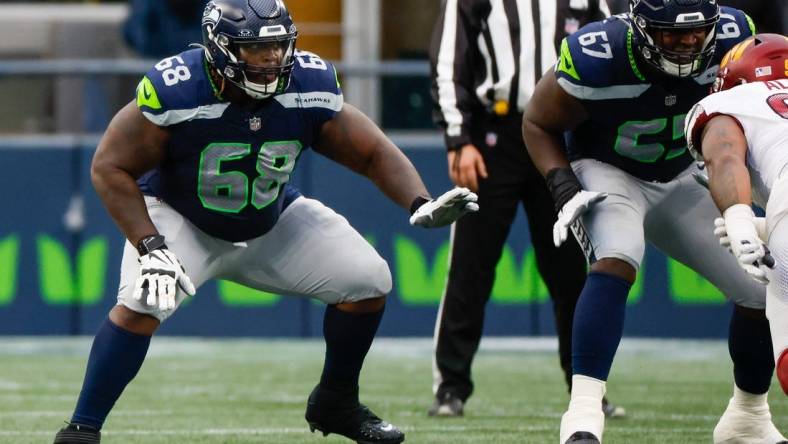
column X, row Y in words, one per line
column 578, row 423
column 747, row 425
column 584, row 420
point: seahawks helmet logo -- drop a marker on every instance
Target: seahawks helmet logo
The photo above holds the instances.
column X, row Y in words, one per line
column 211, row 15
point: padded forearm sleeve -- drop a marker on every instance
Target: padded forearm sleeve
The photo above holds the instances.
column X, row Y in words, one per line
column 563, row 184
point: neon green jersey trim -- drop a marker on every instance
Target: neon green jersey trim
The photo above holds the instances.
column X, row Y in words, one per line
column 750, row 23
column 146, row 95
column 210, row 79
column 631, row 55
column 336, row 77
column 566, row 64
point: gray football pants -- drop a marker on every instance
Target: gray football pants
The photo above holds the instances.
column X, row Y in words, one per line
column 311, row 251
column 676, row 217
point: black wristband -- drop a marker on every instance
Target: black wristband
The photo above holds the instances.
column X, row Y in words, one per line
column 150, row 243
column 563, row 184
column 417, row 202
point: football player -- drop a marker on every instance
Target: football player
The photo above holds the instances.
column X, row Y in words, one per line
column 741, row 131
column 195, row 174
column 622, row 175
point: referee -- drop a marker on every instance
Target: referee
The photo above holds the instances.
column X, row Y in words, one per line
column 486, row 56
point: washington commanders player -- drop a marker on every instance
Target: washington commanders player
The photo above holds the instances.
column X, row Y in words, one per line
column 740, row 131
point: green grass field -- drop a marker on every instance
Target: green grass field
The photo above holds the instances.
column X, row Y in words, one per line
column 254, row 391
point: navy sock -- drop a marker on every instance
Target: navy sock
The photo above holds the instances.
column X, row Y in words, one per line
column 348, row 338
column 750, row 346
column 114, row 360
column 598, row 324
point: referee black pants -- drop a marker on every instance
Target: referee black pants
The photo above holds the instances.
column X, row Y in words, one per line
column 476, row 246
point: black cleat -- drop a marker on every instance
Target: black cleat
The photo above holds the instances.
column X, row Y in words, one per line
column 331, row 412
column 78, row 434
column 611, row 410
column 582, row 438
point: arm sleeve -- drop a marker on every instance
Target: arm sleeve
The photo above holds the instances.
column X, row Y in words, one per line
column 453, row 40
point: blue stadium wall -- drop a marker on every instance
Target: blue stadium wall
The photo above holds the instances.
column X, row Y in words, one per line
column 56, row 281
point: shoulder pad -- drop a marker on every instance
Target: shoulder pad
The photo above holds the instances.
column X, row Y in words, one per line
column 694, row 122
column 720, row 103
column 597, row 62
column 734, row 26
column 314, row 84
column 176, row 89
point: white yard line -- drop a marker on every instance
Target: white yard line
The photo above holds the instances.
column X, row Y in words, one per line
column 172, row 346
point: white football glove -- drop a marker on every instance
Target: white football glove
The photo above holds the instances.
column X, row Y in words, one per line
column 161, row 273
column 572, row 210
column 741, row 235
column 722, row 233
column 446, row 209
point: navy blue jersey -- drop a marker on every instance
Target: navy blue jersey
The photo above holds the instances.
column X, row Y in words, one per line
column 226, row 166
column 634, row 124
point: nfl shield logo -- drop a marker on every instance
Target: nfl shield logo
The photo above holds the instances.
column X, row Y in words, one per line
column 255, row 123
column 670, row 100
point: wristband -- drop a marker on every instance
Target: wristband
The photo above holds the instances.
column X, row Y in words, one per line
column 417, row 202
column 563, row 185
column 150, row 243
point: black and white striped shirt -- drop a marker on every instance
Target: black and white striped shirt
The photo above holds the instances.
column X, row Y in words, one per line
column 487, row 55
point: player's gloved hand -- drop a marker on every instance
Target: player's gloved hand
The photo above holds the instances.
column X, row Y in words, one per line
column 161, row 273
column 571, row 201
column 444, row 210
column 722, row 233
column 744, row 240
column 581, row 202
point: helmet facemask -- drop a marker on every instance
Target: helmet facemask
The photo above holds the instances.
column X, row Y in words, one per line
column 259, row 66
column 658, row 39
column 678, row 63
column 251, row 44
